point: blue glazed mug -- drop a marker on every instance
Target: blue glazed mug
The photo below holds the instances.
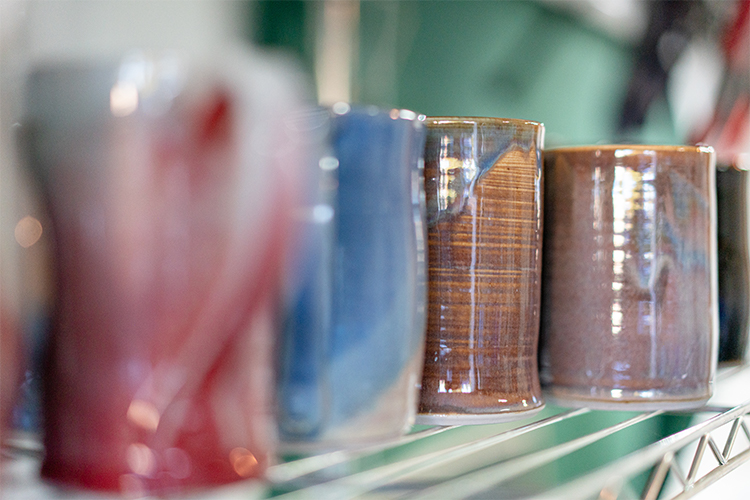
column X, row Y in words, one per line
column 351, row 356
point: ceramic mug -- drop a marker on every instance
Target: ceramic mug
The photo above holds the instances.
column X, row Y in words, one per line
column 734, row 261
column 483, row 184
column 351, row 357
column 169, row 181
column 630, row 295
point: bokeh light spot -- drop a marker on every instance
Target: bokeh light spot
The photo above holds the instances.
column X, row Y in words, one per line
column 123, row 99
column 141, row 459
column 143, row 414
column 243, row 461
column 28, row 231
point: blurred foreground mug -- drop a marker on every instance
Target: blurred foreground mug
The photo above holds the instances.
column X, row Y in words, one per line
column 734, row 260
column 351, row 357
column 169, row 183
column 630, row 289
column 483, row 184
column 9, row 365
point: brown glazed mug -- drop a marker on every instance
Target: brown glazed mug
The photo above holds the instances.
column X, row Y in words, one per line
column 483, row 182
column 629, row 309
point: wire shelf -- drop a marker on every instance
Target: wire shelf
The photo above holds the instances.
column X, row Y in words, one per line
column 525, row 459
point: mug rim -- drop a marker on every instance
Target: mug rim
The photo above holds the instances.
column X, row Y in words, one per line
column 432, row 121
column 635, row 148
column 347, row 108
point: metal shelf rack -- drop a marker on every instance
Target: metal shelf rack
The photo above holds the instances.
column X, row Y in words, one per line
column 525, row 459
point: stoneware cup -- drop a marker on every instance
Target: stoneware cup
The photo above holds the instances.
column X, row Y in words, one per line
column 169, row 181
column 483, row 184
column 732, row 193
column 630, row 284
column 351, row 357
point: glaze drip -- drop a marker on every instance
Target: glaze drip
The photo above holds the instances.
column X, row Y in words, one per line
column 463, row 157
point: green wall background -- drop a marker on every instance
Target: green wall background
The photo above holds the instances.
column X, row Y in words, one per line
column 506, row 58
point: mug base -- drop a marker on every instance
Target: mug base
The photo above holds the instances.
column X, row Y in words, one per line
column 328, row 445
column 474, row 418
column 569, row 400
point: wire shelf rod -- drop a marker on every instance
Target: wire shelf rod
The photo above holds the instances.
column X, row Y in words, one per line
column 644, row 458
column 732, row 437
column 714, row 475
column 488, row 477
column 360, row 483
column 294, row 469
column 659, row 474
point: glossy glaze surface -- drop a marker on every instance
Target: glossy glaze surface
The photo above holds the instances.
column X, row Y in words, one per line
column 629, row 304
column 483, row 182
column 734, row 263
column 351, row 357
column 168, row 182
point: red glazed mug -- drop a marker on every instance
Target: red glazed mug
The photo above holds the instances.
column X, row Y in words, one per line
column 168, row 181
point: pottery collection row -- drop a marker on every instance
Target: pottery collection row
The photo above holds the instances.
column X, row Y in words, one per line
column 238, row 273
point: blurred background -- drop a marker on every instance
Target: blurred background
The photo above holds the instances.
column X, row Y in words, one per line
column 593, row 71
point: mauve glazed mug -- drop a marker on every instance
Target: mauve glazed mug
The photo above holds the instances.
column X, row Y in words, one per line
column 483, row 184
column 351, row 356
column 169, row 181
column 629, row 310
column 734, row 261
